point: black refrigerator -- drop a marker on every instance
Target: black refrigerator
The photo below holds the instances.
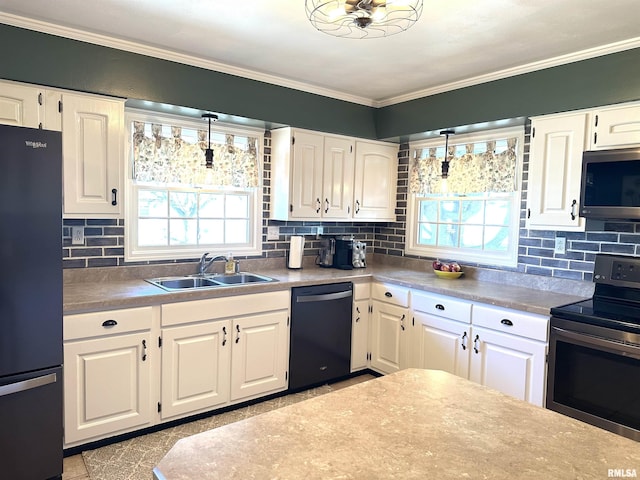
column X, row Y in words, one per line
column 30, row 303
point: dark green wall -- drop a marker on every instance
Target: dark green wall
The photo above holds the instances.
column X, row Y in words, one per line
column 598, row 81
column 48, row 60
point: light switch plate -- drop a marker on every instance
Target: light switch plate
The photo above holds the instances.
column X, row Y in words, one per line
column 77, row 235
column 273, row 233
column 561, row 245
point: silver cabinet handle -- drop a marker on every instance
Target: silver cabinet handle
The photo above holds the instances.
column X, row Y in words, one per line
column 357, row 206
column 326, row 205
column 402, row 322
column 463, row 342
column 573, row 209
column 237, row 333
column 144, row 350
column 27, row 384
column 476, row 344
column 319, row 203
column 224, row 336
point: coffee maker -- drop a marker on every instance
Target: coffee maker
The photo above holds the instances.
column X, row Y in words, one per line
column 327, row 252
column 343, row 258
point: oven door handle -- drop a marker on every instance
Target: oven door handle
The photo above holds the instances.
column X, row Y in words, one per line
column 584, row 338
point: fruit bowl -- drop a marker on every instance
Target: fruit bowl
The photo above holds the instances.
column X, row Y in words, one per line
column 448, row 275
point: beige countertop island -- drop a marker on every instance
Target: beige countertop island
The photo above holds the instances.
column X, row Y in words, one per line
column 414, row 424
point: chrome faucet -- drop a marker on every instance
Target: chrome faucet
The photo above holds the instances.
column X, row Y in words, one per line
column 206, row 262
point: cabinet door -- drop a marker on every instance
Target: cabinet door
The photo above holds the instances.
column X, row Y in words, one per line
column 260, row 355
column 616, row 127
column 513, row 365
column 375, row 181
column 443, row 344
column 107, row 386
column 21, row 105
column 555, row 166
column 196, row 365
column 388, row 325
column 360, row 335
column 337, row 189
column 306, row 176
column 92, row 145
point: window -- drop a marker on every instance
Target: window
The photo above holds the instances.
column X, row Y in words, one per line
column 178, row 208
column 473, row 215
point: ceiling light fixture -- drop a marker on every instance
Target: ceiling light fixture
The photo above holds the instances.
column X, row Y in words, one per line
column 363, row 18
column 446, row 161
column 208, row 153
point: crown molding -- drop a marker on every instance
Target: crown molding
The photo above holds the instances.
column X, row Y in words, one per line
column 134, row 47
column 511, row 72
column 164, row 54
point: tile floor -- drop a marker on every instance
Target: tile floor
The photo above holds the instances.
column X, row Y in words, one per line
column 74, row 468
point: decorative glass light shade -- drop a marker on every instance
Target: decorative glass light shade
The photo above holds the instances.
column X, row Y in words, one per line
column 363, row 18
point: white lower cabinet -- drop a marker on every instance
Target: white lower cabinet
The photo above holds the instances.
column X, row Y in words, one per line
column 441, row 333
column 222, row 350
column 196, row 367
column 360, row 327
column 389, row 335
column 501, row 348
column 509, row 352
column 107, row 373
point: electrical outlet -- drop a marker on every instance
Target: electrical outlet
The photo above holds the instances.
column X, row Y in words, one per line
column 561, row 245
column 77, row 235
column 273, row 233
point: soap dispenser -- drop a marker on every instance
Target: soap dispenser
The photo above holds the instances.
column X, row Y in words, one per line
column 230, row 266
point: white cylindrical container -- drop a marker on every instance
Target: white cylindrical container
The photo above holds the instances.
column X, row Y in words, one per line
column 296, row 250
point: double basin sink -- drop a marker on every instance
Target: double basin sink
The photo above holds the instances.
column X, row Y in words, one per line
column 189, row 282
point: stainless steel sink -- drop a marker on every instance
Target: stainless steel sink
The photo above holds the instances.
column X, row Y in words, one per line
column 181, row 283
column 240, row 278
column 189, row 282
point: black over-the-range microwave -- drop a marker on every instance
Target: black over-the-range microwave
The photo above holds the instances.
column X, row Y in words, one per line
column 610, row 186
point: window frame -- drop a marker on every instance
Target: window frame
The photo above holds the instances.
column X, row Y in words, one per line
column 136, row 253
column 506, row 259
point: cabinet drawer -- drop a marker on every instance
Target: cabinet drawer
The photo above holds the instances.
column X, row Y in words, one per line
column 390, row 294
column 226, row 307
column 528, row 325
column 97, row 324
column 362, row 291
column 447, row 307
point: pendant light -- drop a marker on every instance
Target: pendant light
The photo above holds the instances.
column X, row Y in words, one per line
column 446, row 161
column 208, row 153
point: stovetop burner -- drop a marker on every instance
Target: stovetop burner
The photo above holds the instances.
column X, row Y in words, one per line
column 616, row 300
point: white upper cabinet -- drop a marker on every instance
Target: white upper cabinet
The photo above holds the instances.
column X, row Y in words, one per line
column 374, row 196
column 615, row 127
column 93, row 149
column 555, row 166
column 318, row 176
column 29, row 106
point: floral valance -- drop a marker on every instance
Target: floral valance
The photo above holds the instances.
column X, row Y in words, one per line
column 178, row 157
column 474, row 168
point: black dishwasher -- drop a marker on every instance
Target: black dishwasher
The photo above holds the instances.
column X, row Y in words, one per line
column 320, row 334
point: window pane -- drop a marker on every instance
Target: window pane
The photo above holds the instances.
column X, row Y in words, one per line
column 496, row 239
column 183, row 204
column 473, row 212
column 211, row 232
column 471, row 236
column 152, row 232
column 152, row 203
column 427, row 234
column 428, row 211
column 448, row 235
column 449, row 211
column 498, row 212
column 237, row 231
column 212, row 205
column 237, row 206
column 183, row 231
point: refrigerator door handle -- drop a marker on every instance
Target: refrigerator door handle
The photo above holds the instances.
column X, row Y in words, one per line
column 27, row 384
